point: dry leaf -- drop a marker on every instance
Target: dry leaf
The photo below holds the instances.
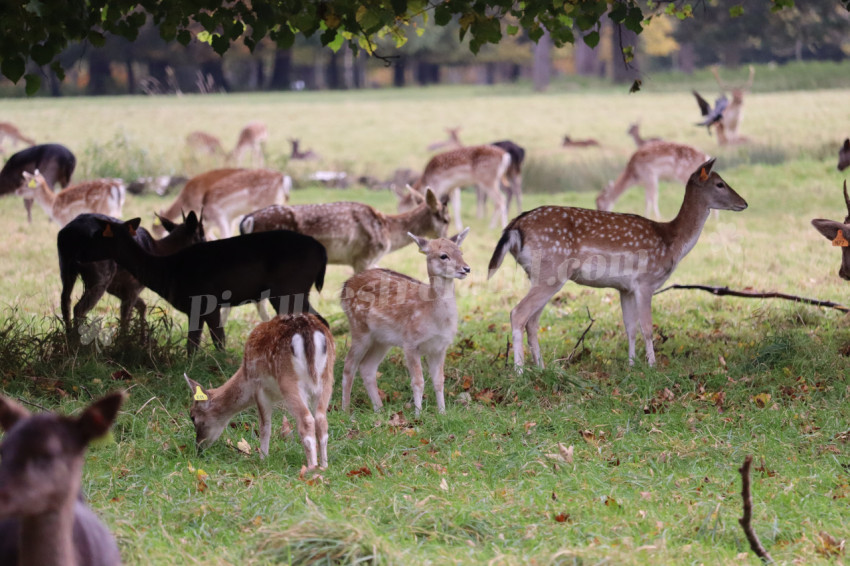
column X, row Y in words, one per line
column 829, row 545
column 566, row 453
column 363, row 471
column 528, row 426
column 444, row 485
column 761, row 400
column 243, row 446
column 397, row 419
column 562, row 517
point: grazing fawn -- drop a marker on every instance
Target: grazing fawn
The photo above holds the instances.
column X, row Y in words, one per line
column 44, row 520
column 289, row 359
column 482, row 166
column 81, row 254
column 225, row 194
column 354, row 233
column 56, row 163
column 634, row 132
column 204, row 143
column 252, row 138
column 9, row 131
column 102, row 196
column 839, row 234
column 632, row 254
column 648, row 164
column 844, row 155
column 387, row 309
column 200, row 280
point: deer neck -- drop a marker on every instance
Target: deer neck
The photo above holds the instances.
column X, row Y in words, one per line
column 235, row 395
column 415, row 221
column 44, row 197
column 152, row 271
column 684, row 230
column 48, row 539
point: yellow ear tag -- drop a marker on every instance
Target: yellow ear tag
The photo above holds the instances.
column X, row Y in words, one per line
column 31, row 183
column 703, row 176
column 200, row 395
column 840, row 240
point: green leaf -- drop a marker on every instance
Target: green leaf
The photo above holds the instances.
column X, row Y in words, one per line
column 512, row 30
column 337, row 42
column 592, row 39
column 204, row 37
column 42, row 54
column 736, row 11
column 33, row 83
column 184, row 37
column 13, row 68
column 96, row 38
column 220, row 44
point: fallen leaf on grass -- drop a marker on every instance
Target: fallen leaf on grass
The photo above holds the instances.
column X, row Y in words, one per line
column 202, row 477
column 243, row 446
column 563, row 518
column 397, row 419
column 566, row 453
column 829, row 545
column 761, row 400
column 121, row 375
column 363, row 471
column 528, row 426
column 312, row 480
column 444, row 485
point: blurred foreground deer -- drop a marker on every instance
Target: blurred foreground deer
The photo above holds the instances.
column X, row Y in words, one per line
column 839, row 234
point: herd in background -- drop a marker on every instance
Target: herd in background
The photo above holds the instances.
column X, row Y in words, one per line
column 282, row 251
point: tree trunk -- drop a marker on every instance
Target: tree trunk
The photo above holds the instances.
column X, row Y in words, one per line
column 398, row 72
column 99, row 72
column 542, row 71
column 624, row 72
column 282, row 72
column 586, row 58
column 131, row 76
column 214, row 68
column 334, row 80
column 686, row 59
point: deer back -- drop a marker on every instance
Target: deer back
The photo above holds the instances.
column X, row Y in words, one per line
column 247, row 190
column 55, row 161
column 191, row 197
column 103, row 196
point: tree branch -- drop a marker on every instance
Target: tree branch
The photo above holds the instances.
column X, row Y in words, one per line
column 746, row 520
column 724, row 291
column 569, row 358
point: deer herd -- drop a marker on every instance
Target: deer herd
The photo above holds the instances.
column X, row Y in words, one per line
column 281, row 252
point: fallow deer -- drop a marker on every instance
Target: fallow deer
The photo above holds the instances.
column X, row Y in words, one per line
column 387, row 309
column 225, row 194
column 354, row 233
column 569, row 142
column 511, row 183
column 445, row 145
column 634, row 132
column 252, row 138
column 202, row 279
column 839, row 234
column 102, row 196
column 632, row 254
column 297, row 154
column 648, row 164
column 844, row 155
column 43, row 520
column 482, row 166
column 9, row 131
column 289, row 359
column 204, row 144
column 55, row 161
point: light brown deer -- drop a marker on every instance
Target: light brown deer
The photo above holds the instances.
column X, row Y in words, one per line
column 252, row 138
column 354, row 233
column 839, row 234
column 9, row 131
column 204, row 144
column 289, row 359
column 387, row 309
column 102, row 196
column 634, row 132
column 632, row 254
column 44, row 520
column 225, row 194
column 445, row 145
column 727, row 130
column 844, row 155
column 648, row 164
column 482, row 166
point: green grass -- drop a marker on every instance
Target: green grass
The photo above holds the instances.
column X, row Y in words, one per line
column 654, row 473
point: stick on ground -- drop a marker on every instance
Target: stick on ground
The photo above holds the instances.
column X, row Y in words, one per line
column 746, row 520
column 724, row 291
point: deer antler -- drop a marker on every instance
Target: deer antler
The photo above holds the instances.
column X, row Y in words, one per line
column 720, row 82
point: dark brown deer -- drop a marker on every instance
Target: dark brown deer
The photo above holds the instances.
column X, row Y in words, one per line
column 55, row 162
column 839, row 234
column 570, row 142
column 202, row 279
column 844, row 155
column 82, row 255
column 43, row 520
column 298, row 154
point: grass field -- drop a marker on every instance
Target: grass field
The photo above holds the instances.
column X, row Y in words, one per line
column 653, row 477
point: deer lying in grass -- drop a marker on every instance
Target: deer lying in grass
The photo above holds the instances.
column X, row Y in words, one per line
column 102, row 196
column 651, row 162
column 634, row 132
column 570, row 142
column 252, row 138
column 44, row 520
column 81, row 254
column 632, row 254
column 387, row 309
column 297, row 154
column 56, row 163
column 839, row 234
column 844, row 155
column 280, row 266
column 482, row 166
column 225, row 194
column 353, row 233
column 290, row 358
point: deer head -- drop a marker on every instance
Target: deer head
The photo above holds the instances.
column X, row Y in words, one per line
column 839, row 234
column 844, row 155
column 713, row 190
column 444, row 258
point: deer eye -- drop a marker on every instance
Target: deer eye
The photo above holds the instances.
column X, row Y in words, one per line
column 444, row 256
column 720, row 185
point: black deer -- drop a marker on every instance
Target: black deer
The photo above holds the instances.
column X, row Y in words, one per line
column 55, row 162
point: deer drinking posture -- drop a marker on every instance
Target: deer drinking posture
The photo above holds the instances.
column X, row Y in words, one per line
column 839, row 234
column 648, row 164
column 280, row 266
column 289, row 359
column 56, row 163
column 43, row 521
column 844, row 155
column 102, row 196
column 252, row 138
column 482, row 166
column 387, row 309
column 353, row 233
column 632, row 254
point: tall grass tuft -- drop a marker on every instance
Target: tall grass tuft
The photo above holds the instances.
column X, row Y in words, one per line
column 122, row 156
column 549, row 176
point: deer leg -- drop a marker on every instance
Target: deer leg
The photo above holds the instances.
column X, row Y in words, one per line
column 628, row 304
column 500, row 211
column 213, row 321
column 438, row 378
column 651, row 196
column 644, row 308
column 264, row 410
column 68, row 277
column 307, row 433
column 321, row 419
column 28, row 207
column 455, row 196
column 516, row 190
column 481, row 202
column 369, row 373
column 352, row 363
column 528, row 311
column 95, row 283
column 417, row 380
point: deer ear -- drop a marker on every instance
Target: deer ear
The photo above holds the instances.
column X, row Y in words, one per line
column 832, row 230
column 421, row 242
column 166, row 223
column 99, row 416
column 133, row 225
column 458, row 238
column 847, row 144
column 10, row 413
column 199, row 394
column 431, row 199
column 107, row 231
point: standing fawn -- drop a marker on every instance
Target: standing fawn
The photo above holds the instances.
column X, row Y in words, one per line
column 202, row 279
column 632, row 254
column 80, row 254
column 648, row 164
column 634, row 132
column 252, row 138
column 387, row 309
column 43, row 520
column 353, row 233
column 839, row 233
column 56, row 163
column 482, row 166
column 844, row 155
column 288, row 359
column 9, row 131
column 102, row 196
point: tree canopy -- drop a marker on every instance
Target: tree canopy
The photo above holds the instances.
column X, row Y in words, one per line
column 35, row 32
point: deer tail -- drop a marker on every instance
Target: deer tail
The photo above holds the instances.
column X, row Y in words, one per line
column 511, row 241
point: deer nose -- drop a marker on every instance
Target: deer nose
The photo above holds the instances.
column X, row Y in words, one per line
column 466, row 269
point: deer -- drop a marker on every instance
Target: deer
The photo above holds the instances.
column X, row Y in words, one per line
column 55, row 161
column 202, row 279
column 297, row 154
column 204, row 143
column 839, row 234
column 648, row 164
column 511, row 183
column 634, row 132
column 80, row 255
column 252, row 138
column 385, row 309
column 43, row 519
column 354, row 233
column 481, row 165
column 569, row 142
column 844, row 155
column 630, row 253
column 9, row 131
column 452, row 143
column 289, row 359
column 104, row 196
column 224, row 194
column 733, row 115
